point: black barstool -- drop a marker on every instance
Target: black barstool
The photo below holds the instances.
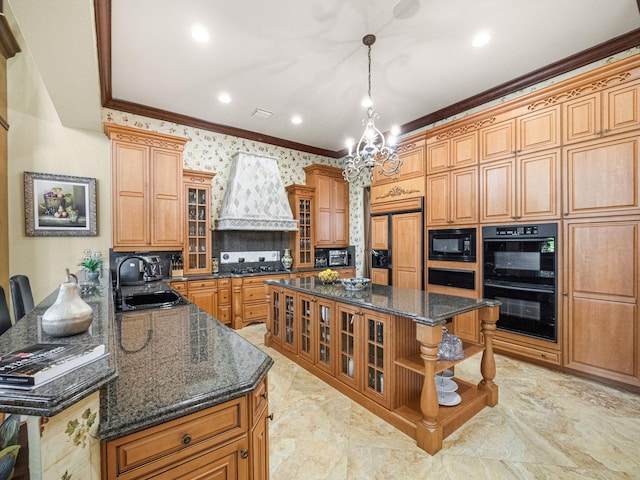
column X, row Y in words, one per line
column 21, row 296
column 5, row 316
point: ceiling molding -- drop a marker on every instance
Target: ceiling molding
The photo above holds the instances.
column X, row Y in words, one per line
column 103, row 35
column 580, row 59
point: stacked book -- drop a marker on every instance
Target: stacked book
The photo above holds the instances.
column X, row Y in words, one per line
column 36, row 364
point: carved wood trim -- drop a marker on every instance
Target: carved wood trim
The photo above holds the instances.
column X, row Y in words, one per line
column 397, row 191
column 578, row 91
column 465, row 128
column 144, row 137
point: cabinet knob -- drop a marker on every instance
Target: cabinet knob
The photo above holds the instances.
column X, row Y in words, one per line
column 244, row 453
column 270, row 416
column 186, row 439
column 606, row 130
column 264, row 395
column 566, row 214
column 565, row 294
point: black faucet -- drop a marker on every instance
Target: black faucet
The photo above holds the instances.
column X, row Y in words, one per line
column 119, row 300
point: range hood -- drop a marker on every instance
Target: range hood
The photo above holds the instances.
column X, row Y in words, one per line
column 255, row 198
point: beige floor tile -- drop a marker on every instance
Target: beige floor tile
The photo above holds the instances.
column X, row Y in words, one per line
column 547, row 425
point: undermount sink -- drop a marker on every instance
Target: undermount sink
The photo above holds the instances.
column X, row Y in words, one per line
column 160, row 299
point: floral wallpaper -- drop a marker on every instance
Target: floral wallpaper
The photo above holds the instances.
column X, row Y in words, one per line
column 212, row 152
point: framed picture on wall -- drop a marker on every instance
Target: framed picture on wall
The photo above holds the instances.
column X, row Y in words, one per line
column 59, row 205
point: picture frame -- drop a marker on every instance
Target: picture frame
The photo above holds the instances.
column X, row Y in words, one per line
column 59, row 205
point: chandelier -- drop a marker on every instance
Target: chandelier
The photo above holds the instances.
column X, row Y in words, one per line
column 372, row 150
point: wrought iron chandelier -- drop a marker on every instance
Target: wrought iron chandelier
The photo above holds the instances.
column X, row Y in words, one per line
column 372, row 150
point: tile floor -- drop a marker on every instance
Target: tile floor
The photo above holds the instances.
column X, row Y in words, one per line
column 547, row 425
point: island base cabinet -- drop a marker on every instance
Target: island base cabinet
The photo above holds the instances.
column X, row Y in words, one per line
column 387, row 363
column 215, row 443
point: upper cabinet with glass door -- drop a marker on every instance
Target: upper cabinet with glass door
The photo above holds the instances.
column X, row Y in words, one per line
column 197, row 245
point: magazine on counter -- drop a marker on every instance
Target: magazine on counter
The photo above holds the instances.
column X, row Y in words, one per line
column 36, row 364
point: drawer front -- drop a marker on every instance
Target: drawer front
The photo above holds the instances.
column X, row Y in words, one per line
column 159, row 446
column 224, row 314
column 180, row 287
column 529, row 352
column 254, row 312
column 255, row 293
column 202, row 284
column 224, row 282
column 224, row 296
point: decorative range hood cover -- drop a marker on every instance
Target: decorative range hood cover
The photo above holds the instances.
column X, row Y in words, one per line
column 255, row 198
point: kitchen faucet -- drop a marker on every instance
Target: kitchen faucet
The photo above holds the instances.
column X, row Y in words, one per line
column 119, row 300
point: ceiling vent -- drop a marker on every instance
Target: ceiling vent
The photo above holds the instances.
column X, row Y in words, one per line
column 260, row 113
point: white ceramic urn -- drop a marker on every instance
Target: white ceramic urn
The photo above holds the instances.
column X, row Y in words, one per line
column 70, row 314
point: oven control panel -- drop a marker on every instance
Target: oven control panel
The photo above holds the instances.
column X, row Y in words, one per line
column 518, row 230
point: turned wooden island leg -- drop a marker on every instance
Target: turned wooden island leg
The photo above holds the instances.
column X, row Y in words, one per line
column 429, row 430
column 488, row 318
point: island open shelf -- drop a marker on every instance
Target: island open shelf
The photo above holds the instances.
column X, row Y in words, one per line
column 379, row 347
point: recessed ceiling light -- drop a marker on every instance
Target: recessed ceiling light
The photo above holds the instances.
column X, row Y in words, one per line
column 200, row 34
column 296, row 119
column 224, row 98
column 481, row 39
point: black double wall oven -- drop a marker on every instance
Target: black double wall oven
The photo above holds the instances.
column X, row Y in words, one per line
column 519, row 269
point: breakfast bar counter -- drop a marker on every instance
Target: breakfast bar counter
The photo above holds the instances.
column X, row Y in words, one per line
column 173, row 380
column 379, row 346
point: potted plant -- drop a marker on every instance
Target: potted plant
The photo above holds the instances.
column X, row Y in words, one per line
column 92, row 267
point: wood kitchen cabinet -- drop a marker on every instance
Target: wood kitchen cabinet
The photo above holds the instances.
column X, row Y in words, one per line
column 197, row 215
column 302, row 200
column 331, row 206
column 452, row 197
column 249, row 297
column 212, row 443
column 523, row 188
column 445, row 152
column 602, row 113
column 147, row 189
column 523, row 134
column 412, row 153
column 380, row 232
column 601, row 298
column 602, row 177
column 408, row 259
column 363, row 362
column 204, row 293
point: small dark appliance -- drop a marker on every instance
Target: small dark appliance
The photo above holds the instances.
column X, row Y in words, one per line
column 453, row 244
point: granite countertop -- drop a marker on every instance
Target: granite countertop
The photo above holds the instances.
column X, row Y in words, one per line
column 58, row 394
column 172, row 362
column 419, row 305
column 162, row 363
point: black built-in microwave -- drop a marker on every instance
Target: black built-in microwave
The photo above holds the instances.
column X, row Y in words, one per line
column 453, row 244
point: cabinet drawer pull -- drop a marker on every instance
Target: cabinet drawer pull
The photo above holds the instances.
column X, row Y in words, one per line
column 186, row 439
column 270, row 416
column 244, row 453
column 264, row 395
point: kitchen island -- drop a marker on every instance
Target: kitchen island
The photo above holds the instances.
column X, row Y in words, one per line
column 178, row 392
column 379, row 346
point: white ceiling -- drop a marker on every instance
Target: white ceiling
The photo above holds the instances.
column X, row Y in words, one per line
column 306, row 57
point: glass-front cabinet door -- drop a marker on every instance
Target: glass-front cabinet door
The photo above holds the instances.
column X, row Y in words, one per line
column 306, row 314
column 376, row 356
column 197, row 245
column 289, row 340
column 301, row 198
column 326, row 325
column 276, row 315
column 349, row 356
